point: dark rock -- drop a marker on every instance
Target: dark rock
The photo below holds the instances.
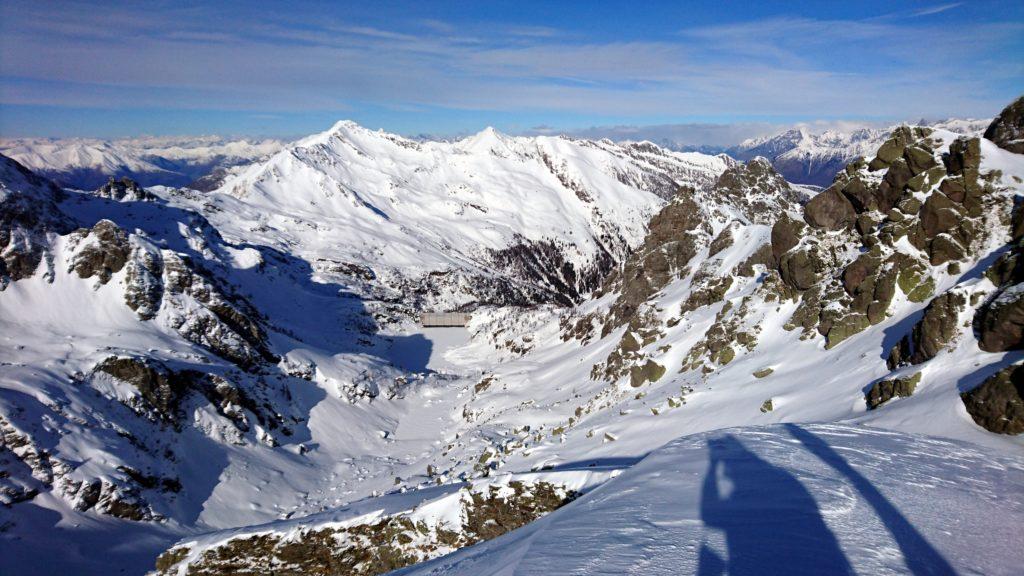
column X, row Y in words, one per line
column 933, row 332
column 944, row 249
column 157, row 385
column 886, row 390
column 997, row 405
column 800, row 269
column 124, row 190
column 939, row 214
column 891, row 189
column 1007, row 129
column 919, row 159
column 830, row 210
column 786, row 234
column 1000, row 322
column 857, row 271
column 105, row 255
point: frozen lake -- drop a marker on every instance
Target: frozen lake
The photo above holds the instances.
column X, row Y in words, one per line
column 425, row 349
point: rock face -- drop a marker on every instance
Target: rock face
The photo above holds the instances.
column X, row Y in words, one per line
column 28, row 214
column 1000, row 323
column 101, row 251
column 932, row 333
column 667, row 249
column 830, row 210
column 124, row 190
column 997, row 405
column 886, row 390
column 1007, row 129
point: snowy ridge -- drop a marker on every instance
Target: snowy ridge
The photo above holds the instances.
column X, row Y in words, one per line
column 487, row 219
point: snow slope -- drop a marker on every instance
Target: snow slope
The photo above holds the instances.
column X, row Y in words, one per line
column 780, row 499
column 296, row 393
column 487, row 219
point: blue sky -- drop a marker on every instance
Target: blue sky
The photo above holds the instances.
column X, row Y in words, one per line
column 292, row 68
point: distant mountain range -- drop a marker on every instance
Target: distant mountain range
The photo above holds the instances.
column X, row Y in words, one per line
column 806, row 157
column 87, row 163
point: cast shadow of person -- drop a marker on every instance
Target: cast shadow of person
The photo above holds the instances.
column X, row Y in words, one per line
column 920, row 556
column 771, row 523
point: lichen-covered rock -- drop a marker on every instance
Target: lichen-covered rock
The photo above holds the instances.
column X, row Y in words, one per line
column 100, row 252
column 650, row 371
column 1007, row 129
column 885, row 390
column 830, row 210
column 1000, row 322
column 997, row 405
column 933, row 332
column 800, row 269
column 845, row 327
column 786, row 233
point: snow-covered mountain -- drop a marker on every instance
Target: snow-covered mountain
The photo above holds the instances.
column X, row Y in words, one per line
column 489, row 219
column 87, row 163
column 807, row 157
column 230, row 380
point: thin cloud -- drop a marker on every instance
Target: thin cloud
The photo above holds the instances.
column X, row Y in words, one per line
column 937, row 9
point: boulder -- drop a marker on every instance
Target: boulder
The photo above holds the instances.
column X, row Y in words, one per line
column 919, row 159
column 886, row 390
column 939, row 214
column 997, row 405
column 944, row 249
column 799, row 269
column 1000, row 323
column 937, row 327
column 830, row 210
column 786, row 234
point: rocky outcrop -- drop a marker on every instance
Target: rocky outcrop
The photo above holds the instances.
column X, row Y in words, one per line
column 886, row 390
column 379, row 545
column 670, row 244
column 160, row 389
column 101, row 251
column 28, row 215
column 1000, row 322
column 124, row 190
column 997, row 405
column 1007, row 129
column 933, row 333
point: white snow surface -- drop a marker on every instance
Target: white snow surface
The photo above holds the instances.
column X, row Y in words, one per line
column 353, row 195
column 779, row 499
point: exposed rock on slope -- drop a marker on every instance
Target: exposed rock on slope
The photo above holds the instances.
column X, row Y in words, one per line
column 28, row 215
column 998, row 404
column 1007, row 130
